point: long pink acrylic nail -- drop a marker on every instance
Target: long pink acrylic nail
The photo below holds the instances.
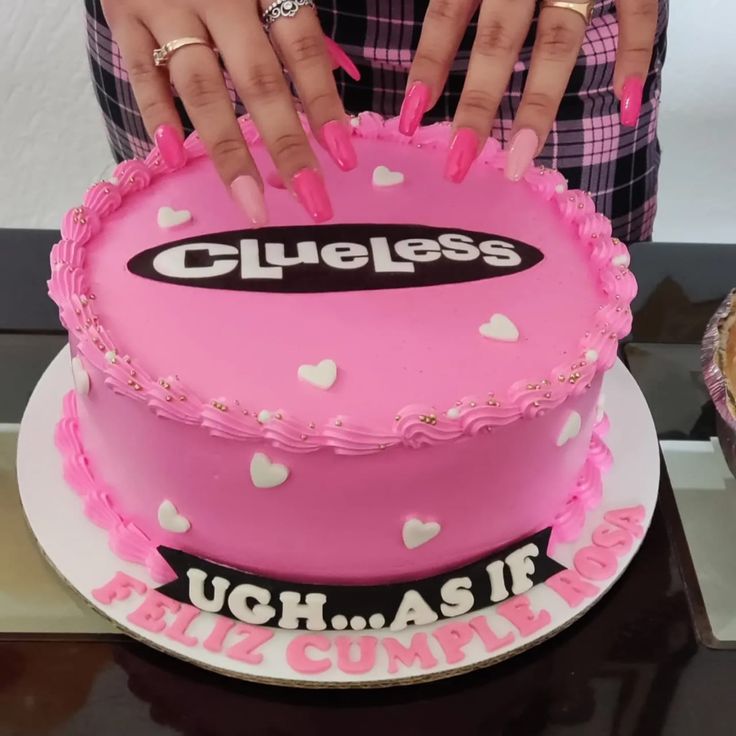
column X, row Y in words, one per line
column 341, row 59
column 310, row 190
column 337, row 141
column 248, row 195
column 462, row 153
column 631, row 96
column 414, row 106
column 170, row 145
column 521, row 153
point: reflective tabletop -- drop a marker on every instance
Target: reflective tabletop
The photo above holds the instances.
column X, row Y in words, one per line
column 655, row 656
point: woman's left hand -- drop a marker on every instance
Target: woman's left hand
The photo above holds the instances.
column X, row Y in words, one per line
column 502, row 27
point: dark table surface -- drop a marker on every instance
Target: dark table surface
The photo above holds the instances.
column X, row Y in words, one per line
column 637, row 664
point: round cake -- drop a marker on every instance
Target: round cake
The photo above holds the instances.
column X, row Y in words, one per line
column 382, row 398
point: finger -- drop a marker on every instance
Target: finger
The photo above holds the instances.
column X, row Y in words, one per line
column 152, row 91
column 302, row 47
column 502, row 28
column 444, row 25
column 637, row 28
column 258, row 77
column 560, row 34
column 196, row 75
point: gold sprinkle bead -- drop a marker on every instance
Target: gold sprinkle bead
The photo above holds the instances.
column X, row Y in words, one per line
column 311, row 425
column 302, row 437
column 548, row 395
column 278, row 415
column 182, row 398
column 168, row 398
column 473, row 404
column 219, row 406
column 397, row 418
column 166, row 385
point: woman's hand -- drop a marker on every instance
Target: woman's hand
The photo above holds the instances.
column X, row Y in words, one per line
column 502, row 28
column 254, row 64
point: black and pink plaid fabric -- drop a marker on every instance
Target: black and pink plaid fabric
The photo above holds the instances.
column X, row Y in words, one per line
column 619, row 166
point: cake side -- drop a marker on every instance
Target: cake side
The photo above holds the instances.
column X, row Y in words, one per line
column 407, row 446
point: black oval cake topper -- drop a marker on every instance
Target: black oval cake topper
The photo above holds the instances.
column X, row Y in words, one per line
column 340, row 257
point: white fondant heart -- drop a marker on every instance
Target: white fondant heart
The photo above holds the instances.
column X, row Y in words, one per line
column 80, row 375
column 171, row 520
column 111, row 356
column 500, row 327
column 417, row 532
column 264, row 416
column 355, row 122
column 384, row 177
column 453, row 413
column 560, row 188
column 591, row 355
column 570, row 429
column 322, row 375
column 621, row 260
column 266, row 474
column 169, row 217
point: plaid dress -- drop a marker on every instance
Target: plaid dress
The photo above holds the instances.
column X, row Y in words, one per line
column 619, row 166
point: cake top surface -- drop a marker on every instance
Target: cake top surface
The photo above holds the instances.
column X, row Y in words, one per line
column 423, row 311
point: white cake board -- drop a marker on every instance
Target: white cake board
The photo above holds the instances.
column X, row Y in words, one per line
column 78, row 549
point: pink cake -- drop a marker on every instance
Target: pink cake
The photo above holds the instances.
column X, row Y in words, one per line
column 383, row 398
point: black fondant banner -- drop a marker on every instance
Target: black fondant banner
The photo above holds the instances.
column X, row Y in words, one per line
column 258, row 600
column 340, row 257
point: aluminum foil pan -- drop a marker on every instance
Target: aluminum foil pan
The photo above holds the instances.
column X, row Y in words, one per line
column 715, row 355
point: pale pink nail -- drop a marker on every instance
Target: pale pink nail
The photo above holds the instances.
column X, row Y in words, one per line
column 413, row 108
column 462, row 153
column 337, row 141
column 521, row 153
column 341, row 59
column 631, row 95
column 170, row 145
column 248, row 195
column 310, row 190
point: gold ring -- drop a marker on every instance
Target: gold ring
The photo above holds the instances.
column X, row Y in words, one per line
column 161, row 56
column 584, row 9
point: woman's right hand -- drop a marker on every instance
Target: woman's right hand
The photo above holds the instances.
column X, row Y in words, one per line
column 251, row 58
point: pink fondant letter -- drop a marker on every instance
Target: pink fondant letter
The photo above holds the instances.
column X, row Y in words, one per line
column 118, row 588
column 367, row 659
column 629, row 519
column 618, row 540
column 518, row 611
column 245, row 650
column 150, row 614
column 417, row 650
column 296, row 654
column 595, row 563
column 452, row 638
column 213, row 642
column 571, row 587
column 178, row 630
column 488, row 636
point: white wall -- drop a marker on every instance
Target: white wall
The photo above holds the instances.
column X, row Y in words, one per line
column 52, row 143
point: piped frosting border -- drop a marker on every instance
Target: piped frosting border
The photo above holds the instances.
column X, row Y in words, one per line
column 414, row 425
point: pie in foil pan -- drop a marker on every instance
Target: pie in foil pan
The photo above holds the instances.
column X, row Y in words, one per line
column 719, row 369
